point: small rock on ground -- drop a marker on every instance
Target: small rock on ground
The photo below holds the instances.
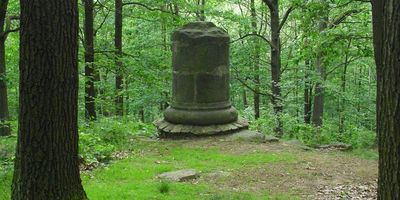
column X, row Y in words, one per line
column 180, row 175
column 270, row 138
column 248, row 136
column 335, row 146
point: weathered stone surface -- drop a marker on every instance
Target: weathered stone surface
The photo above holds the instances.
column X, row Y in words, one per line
column 246, row 135
column 168, row 129
column 180, row 175
column 200, row 89
column 270, row 138
column 200, row 117
column 335, row 146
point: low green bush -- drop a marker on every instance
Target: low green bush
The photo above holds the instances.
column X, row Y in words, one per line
column 99, row 139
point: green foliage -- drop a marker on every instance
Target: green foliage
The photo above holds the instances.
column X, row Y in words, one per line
column 7, row 152
column 164, row 187
column 98, row 140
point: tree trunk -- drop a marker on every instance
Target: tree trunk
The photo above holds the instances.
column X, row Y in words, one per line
column 4, row 114
column 119, row 100
column 307, row 94
column 342, row 101
column 201, row 11
column 141, row 114
column 386, row 19
column 46, row 164
column 244, row 96
column 276, row 66
column 90, row 90
column 319, row 94
column 256, row 61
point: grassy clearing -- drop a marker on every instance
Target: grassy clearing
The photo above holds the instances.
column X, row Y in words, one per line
column 255, row 171
column 134, row 178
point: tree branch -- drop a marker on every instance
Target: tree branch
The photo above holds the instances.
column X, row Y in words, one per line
column 145, row 6
column 285, row 17
column 343, row 17
column 102, row 23
column 252, row 89
column 11, row 31
column 269, row 4
column 253, row 34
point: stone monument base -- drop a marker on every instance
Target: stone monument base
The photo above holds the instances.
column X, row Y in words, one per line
column 170, row 130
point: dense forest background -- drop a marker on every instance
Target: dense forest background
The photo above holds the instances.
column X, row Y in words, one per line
column 303, row 71
column 326, row 75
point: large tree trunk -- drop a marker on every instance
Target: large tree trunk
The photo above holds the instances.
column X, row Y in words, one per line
column 386, row 19
column 276, row 66
column 46, row 165
column 4, row 115
column 90, row 90
column 256, row 63
column 119, row 101
column 319, row 94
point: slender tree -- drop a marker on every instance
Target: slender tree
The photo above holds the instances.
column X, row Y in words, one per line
column 201, row 4
column 342, row 100
column 119, row 100
column 90, row 90
column 46, row 164
column 256, row 60
column 4, row 114
column 319, row 97
column 319, row 93
column 276, row 25
column 307, row 93
column 386, row 20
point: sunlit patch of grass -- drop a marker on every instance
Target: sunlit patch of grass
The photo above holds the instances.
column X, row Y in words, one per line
column 134, row 178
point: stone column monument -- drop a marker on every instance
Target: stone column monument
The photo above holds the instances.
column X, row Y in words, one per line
column 200, row 89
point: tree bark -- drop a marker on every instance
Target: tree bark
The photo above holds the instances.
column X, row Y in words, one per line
column 244, row 96
column 276, row 66
column 256, row 63
column 319, row 94
column 307, row 94
column 119, row 100
column 46, row 165
column 90, row 90
column 4, row 113
column 342, row 101
column 386, row 20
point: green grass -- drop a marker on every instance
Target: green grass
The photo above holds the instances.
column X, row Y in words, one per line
column 134, row 178
column 368, row 154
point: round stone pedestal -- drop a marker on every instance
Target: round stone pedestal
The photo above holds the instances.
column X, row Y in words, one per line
column 171, row 130
column 200, row 89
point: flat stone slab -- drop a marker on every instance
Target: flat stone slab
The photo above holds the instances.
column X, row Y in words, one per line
column 335, row 146
column 270, row 138
column 180, row 175
column 247, row 135
column 168, row 129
